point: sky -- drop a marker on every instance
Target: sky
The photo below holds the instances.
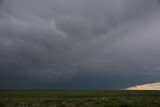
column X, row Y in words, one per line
column 79, row 44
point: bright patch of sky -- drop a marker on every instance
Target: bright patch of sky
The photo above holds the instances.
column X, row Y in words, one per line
column 152, row 86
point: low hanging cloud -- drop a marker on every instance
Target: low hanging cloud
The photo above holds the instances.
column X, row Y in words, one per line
column 83, row 44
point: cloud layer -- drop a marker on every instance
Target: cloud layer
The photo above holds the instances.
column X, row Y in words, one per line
column 82, row 44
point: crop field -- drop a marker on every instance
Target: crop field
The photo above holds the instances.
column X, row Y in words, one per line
column 79, row 98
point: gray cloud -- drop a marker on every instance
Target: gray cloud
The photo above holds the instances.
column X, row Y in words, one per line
column 104, row 44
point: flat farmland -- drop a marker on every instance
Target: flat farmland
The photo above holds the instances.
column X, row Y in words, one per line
column 79, row 98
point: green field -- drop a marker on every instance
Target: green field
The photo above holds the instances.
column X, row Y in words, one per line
column 83, row 98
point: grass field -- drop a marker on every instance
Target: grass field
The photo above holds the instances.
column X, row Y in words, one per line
column 53, row 98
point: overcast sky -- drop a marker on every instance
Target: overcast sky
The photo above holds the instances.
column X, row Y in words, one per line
column 79, row 44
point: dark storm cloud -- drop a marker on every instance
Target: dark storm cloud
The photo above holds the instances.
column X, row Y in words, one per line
column 66, row 43
column 1, row 1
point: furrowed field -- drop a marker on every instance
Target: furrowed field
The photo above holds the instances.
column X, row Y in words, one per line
column 50, row 98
